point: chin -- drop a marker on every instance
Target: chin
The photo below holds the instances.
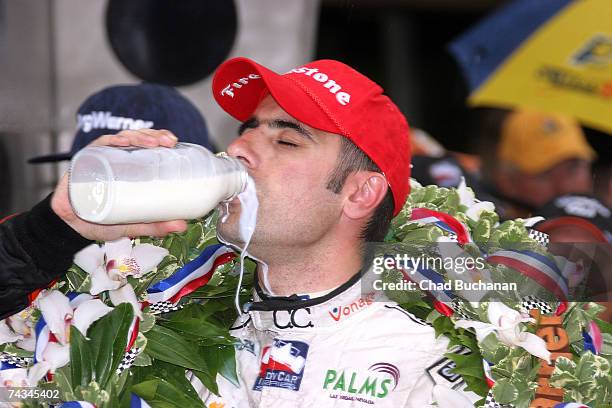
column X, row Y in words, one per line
column 228, row 234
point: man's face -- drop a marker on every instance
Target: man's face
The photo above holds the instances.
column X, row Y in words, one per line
column 567, row 177
column 290, row 163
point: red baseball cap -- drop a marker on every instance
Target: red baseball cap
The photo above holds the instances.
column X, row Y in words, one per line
column 330, row 96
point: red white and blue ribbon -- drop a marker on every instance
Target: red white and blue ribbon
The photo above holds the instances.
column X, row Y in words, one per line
column 76, row 404
column 487, row 372
column 570, row 405
column 442, row 220
column 137, row 402
column 593, row 340
column 538, row 267
column 190, row 277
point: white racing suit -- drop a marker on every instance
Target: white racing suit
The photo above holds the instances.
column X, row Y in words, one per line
column 339, row 350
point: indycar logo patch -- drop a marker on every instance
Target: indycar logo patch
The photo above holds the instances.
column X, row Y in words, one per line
column 282, row 365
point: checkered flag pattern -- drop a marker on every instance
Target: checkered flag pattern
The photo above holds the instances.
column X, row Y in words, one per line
column 532, row 302
column 15, row 360
column 164, row 307
column 128, row 359
column 457, row 306
column 541, row 238
column 491, row 403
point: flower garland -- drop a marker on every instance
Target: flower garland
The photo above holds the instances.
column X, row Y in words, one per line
column 131, row 317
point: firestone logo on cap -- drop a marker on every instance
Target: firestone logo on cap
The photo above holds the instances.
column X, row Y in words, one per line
column 343, row 98
column 229, row 89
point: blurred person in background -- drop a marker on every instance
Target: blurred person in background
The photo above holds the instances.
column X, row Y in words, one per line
column 133, row 107
column 537, row 157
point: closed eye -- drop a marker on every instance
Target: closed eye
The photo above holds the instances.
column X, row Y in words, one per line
column 285, row 143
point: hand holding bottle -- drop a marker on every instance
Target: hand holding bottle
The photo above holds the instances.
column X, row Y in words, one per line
column 60, row 202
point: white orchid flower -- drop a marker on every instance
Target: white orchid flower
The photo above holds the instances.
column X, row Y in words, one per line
column 55, row 356
column 7, row 335
column 126, row 294
column 111, row 264
column 505, row 323
column 19, row 328
column 87, row 313
column 93, row 261
column 57, row 312
column 474, row 207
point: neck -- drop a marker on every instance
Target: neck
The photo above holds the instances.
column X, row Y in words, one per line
column 316, row 268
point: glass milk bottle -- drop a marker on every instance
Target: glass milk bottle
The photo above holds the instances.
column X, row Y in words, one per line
column 117, row 185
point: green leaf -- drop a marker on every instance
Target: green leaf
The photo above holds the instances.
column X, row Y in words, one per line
column 159, row 393
column 443, row 325
column 109, row 340
column 11, row 348
column 193, row 235
column 467, row 365
column 147, row 322
column 504, row 392
column 167, row 345
column 470, row 368
column 81, row 361
column 199, row 328
column 175, row 376
column 142, row 359
column 78, row 279
column 208, row 380
column 61, row 380
column 222, row 360
column 92, row 393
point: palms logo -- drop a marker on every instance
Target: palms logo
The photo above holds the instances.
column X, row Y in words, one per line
column 387, row 368
column 382, row 378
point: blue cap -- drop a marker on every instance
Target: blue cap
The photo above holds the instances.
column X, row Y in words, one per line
column 139, row 106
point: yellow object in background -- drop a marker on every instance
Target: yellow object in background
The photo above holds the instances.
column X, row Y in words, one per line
column 535, row 142
column 565, row 66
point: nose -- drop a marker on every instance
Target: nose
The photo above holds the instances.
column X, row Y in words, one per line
column 243, row 149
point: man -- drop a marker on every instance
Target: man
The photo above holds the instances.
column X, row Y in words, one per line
column 329, row 154
column 539, row 156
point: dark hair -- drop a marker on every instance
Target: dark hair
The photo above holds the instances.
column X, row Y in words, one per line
column 350, row 160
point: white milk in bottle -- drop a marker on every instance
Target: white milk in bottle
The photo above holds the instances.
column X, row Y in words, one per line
column 111, row 185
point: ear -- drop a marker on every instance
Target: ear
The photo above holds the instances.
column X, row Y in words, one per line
column 365, row 190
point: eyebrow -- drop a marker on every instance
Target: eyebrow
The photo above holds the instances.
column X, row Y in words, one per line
column 285, row 124
column 278, row 124
column 249, row 124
